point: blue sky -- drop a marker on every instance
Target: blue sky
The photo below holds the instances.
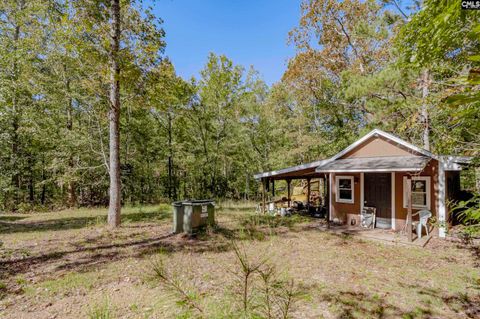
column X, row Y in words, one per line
column 248, row 32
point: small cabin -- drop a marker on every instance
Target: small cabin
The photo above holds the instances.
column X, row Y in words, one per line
column 385, row 172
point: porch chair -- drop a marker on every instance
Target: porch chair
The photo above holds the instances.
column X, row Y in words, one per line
column 423, row 216
column 271, row 208
column 367, row 218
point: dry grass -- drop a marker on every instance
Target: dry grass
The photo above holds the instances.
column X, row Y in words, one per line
column 68, row 264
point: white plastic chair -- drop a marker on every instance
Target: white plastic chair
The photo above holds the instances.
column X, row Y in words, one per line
column 367, row 218
column 271, row 208
column 423, row 216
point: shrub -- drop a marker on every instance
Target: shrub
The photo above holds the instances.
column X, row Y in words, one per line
column 101, row 311
column 262, row 290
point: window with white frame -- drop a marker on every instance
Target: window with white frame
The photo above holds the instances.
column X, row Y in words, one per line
column 344, row 187
column 420, row 192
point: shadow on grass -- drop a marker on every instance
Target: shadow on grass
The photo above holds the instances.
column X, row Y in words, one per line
column 11, row 218
column 11, row 226
column 459, row 302
column 112, row 252
column 93, row 252
column 86, row 254
column 350, row 304
column 474, row 251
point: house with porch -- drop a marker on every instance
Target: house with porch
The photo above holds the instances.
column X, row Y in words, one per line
column 382, row 171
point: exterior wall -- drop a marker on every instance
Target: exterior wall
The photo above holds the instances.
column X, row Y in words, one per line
column 345, row 212
column 401, row 212
column 378, row 146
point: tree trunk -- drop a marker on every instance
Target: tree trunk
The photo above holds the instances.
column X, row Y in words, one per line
column 247, row 186
column 31, row 179
column 114, row 118
column 477, row 179
column 44, row 186
column 184, row 184
column 71, row 190
column 171, row 191
column 15, row 123
column 425, row 81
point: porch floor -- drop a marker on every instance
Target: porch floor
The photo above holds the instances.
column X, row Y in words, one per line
column 384, row 235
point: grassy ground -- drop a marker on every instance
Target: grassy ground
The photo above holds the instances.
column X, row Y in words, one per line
column 68, row 264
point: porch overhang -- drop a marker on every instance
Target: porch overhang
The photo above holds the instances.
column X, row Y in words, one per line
column 375, row 164
column 298, row 171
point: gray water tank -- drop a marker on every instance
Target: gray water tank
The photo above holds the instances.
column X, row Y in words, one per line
column 189, row 215
column 198, row 213
column 178, row 210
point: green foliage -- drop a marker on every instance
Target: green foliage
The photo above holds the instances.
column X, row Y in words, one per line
column 444, row 38
column 101, row 311
column 441, row 30
column 357, row 67
column 469, row 210
column 185, row 297
column 259, row 289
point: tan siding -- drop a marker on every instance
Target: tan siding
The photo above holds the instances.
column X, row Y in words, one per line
column 343, row 211
column 377, row 146
column 401, row 212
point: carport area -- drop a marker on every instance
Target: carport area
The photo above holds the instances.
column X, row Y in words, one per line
column 303, row 187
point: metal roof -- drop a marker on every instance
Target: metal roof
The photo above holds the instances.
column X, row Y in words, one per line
column 308, row 167
column 375, row 164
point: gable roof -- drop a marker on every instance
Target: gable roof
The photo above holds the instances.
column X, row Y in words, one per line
column 450, row 161
column 388, row 136
column 375, row 164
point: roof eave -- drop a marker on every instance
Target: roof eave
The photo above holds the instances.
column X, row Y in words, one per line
column 289, row 169
column 370, row 170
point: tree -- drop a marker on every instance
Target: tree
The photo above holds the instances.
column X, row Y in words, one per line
column 114, row 118
column 127, row 41
column 339, row 45
column 444, row 39
column 167, row 99
column 214, row 126
column 21, row 48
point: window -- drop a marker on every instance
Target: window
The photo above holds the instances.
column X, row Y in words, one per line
column 344, row 193
column 420, row 192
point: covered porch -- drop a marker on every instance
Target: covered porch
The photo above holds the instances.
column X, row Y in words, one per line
column 313, row 185
column 349, row 186
column 377, row 234
column 396, row 190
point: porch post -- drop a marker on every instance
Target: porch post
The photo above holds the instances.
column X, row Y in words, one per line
column 330, row 206
column 409, row 205
column 392, row 189
column 362, row 191
column 263, row 196
column 273, row 187
column 288, row 191
column 308, row 190
column 442, row 210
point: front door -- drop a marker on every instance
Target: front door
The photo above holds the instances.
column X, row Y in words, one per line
column 378, row 194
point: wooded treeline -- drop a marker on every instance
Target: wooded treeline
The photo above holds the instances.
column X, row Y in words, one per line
column 358, row 65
